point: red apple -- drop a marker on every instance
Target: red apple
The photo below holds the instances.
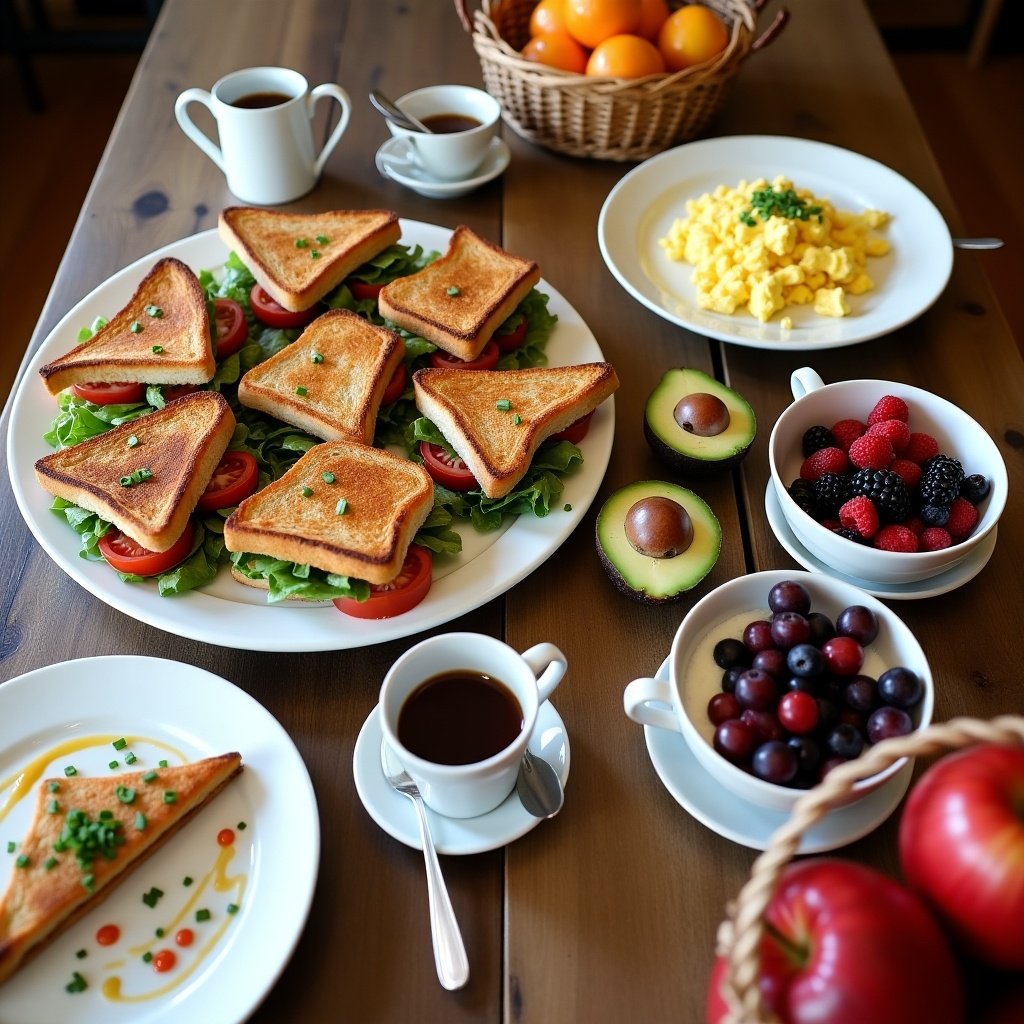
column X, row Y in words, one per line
column 844, row 944
column 962, row 847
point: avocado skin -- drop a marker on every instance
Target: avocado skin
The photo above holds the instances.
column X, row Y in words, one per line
column 686, row 453
column 656, row 581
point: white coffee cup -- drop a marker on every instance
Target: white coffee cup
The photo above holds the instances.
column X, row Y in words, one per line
column 265, row 152
column 449, row 156
column 467, row 790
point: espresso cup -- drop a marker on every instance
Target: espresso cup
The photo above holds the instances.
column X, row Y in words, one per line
column 458, row 710
column 264, row 123
column 446, row 154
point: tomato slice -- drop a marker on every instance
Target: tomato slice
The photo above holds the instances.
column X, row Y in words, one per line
column 236, row 477
column 125, row 555
column 448, row 470
column 232, row 330
column 363, row 289
column 487, row 359
column 509, row 341
column 270, row 312
column 395, row 386
column 103, row 393
column 173, row 391
column 576, row 431
column 405, row 591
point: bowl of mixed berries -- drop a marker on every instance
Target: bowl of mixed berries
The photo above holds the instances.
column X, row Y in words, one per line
column 883, row 481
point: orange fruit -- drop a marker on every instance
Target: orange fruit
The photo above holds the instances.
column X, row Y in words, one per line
column 691, row 35
column 547, row 16
column 557, row 50
column 625, row 56
column 592, row 21
column 652, row 16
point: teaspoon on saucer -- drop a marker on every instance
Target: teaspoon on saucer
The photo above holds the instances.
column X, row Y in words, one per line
column 977, row 243
column 539, row 787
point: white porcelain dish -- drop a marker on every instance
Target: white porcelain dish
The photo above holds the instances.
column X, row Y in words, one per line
column 640, row 210
column 395, row 160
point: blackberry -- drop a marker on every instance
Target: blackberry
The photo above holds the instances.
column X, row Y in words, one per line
column 815, row 438
column 845, row 531
column 941, row 480
column 886, row 490
column 935, row 515
column 974, row 487
column 830, row 492
column 802, row 492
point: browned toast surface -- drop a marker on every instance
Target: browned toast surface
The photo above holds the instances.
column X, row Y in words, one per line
column 162, row 336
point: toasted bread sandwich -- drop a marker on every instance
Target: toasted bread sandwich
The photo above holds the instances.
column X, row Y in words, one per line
column 345, row 508
column 460, row 300
column 496, row 421
column 299, row 257
column 162, row 336
column 58, row 881
column 145, row 476
column 330, row 380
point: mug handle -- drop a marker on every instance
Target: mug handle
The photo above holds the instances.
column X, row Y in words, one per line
column 804, row 380
column 200, row 138
column 335, row 92
column 641, row 696
column 548, row 664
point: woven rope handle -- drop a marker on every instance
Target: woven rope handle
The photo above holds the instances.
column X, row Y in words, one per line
column 739, row 936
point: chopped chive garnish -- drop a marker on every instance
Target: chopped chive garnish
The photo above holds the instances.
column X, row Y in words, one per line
column 162, row 763
column 154, row 311
column 170, row 796
column 517, row 419
column 132, row 441
column 503, row 404
column 316, row 357
column 140, row 821
column 302, row 390
column 452, row 289
column 113, row 764
column 82, row 954
column 342, row 507
column 146, row 957
column 232, row 908
column 88, row 881
column 149, row 776
column 138, row 476
column 76, row 984
column 11, row 846
column 307, row 492
column 186, row 881
column 70, row 770
column 136, row 327
column 53, row 787
column 159, row 933
column 327, row 477
column 150, row 898
column 202, row 915
column 22, row 861
column 52, row 807
column 567, row 508
column 130, row 758
column 50, row 863
column 241, row 826
column 106, row 814
column 125, row 794
column 322, row 239
column 314, row 254
column 301, row 243
column 157, row 349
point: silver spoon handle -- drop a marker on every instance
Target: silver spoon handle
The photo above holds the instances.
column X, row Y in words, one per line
column 977, row 243
column 449, row 950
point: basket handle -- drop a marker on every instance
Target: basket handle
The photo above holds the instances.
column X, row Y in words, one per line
column 460, row 10
column 740, row 934
column 771, row 33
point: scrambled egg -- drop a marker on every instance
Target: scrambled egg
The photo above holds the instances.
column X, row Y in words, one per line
column 765, row 245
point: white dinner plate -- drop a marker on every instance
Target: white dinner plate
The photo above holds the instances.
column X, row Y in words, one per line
column 150, row 702
column 640, row 210
column 227, row 613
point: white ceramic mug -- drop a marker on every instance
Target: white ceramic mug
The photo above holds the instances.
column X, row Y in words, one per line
column 467, row 790
column 450, row 156
column 265, row 152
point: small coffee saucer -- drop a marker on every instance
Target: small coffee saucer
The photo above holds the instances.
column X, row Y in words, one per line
column 394, row 160
column 397, row 816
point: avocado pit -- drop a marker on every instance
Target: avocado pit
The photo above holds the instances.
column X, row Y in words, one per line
column 702, row 414
column 658, row 527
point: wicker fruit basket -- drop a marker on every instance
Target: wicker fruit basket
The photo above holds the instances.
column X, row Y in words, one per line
column 739, row 935
column 607, row 118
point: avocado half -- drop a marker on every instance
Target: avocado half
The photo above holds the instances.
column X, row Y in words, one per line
column 679, row 444
column 643, row 577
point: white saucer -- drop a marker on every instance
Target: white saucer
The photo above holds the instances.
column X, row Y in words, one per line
column 946, row 581
column 397, row 816
column 746, row 823
column 394, row 160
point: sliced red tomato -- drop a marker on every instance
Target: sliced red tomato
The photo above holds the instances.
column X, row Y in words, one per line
column 125, row 555
column 273, row 314
column 487, row 359
column 448, row 470
column 103, row 393
column 232, row 330
column 173, row 391
column 575, row 432
column 508, row 341
column 236, row 477
column 363, row 289
column 395, row 386
column 405, row 591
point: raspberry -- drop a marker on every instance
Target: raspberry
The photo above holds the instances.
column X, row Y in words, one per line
column 872, row 451
column 828, row 460
column 916, row 524
column 895, row 537
column 963, row 517
column 909, row 472
column 935, row 538
column 846, row 432
column 861, row 515
column 889, row 407
column 920, row 448
column 896, row 431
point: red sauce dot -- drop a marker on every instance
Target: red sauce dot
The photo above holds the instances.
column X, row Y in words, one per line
column 164, row 961
column 108, row 934
column 184, row 937
column 225, row 837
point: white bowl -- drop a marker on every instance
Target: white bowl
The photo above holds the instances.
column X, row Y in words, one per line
column 692, row 683
column 958, row 435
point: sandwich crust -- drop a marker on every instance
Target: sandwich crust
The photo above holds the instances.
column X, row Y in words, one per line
column 162, row 336
column 462, row 298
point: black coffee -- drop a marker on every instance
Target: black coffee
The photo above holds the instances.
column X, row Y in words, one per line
column 258, row 100
column 459, row 717
column 445, row 124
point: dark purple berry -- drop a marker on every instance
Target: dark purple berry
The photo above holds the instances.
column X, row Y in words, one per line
column 772, row 661
column 731, row 652
column 935, row 515
column 861, row 694
column 900, row 687
column 845, row 740
column 758, row 636
column 789, row 596
column 886, row 722
column 756, row 689
column 805, row 660
column 808, row 753
column 858, row 622
column 974, row 488
column 822, row 628
column 775, row 761
column 790, row 629
column 735, row 740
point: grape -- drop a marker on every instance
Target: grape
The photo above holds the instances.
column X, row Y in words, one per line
column 758, row 636
column 789, row 629
column 789, row 596
column 886, row 722
column 861, row 693
column 731, row 652
column 772, row 661
column 845, row 741
column 756, row 689
column 735, row 740
column 764, row 723
column 808, row 753
column 723, row 706
column 798, row 712
column 858, row 622
column 821, row 628
column 775, row 761
column 900, row 687
column 843, row 655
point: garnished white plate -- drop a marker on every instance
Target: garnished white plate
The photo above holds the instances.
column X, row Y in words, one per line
column 165, row 710
column 641, row 208
column 227, row 613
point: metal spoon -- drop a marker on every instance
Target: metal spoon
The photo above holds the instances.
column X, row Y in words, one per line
column 977, row 243
column 396, row 114
column 539, row 787
column 449, row 950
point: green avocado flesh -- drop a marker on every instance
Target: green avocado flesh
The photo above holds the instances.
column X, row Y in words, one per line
column 656, row 580
column 690, row 452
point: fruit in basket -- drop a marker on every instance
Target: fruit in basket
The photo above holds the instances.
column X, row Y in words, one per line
column 592, row 21
column 625, row 56
column 962, row 848
column 694, row 34
column 844, row 944
column 695, row 424
column 556, row 50
column 652, row 16
column 548, row 16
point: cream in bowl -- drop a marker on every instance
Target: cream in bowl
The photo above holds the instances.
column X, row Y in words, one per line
column 804, row 718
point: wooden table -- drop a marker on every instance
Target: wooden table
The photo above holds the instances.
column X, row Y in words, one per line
column 609, row 911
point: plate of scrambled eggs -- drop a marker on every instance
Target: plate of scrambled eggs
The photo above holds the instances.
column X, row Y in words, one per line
column 775, row 242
